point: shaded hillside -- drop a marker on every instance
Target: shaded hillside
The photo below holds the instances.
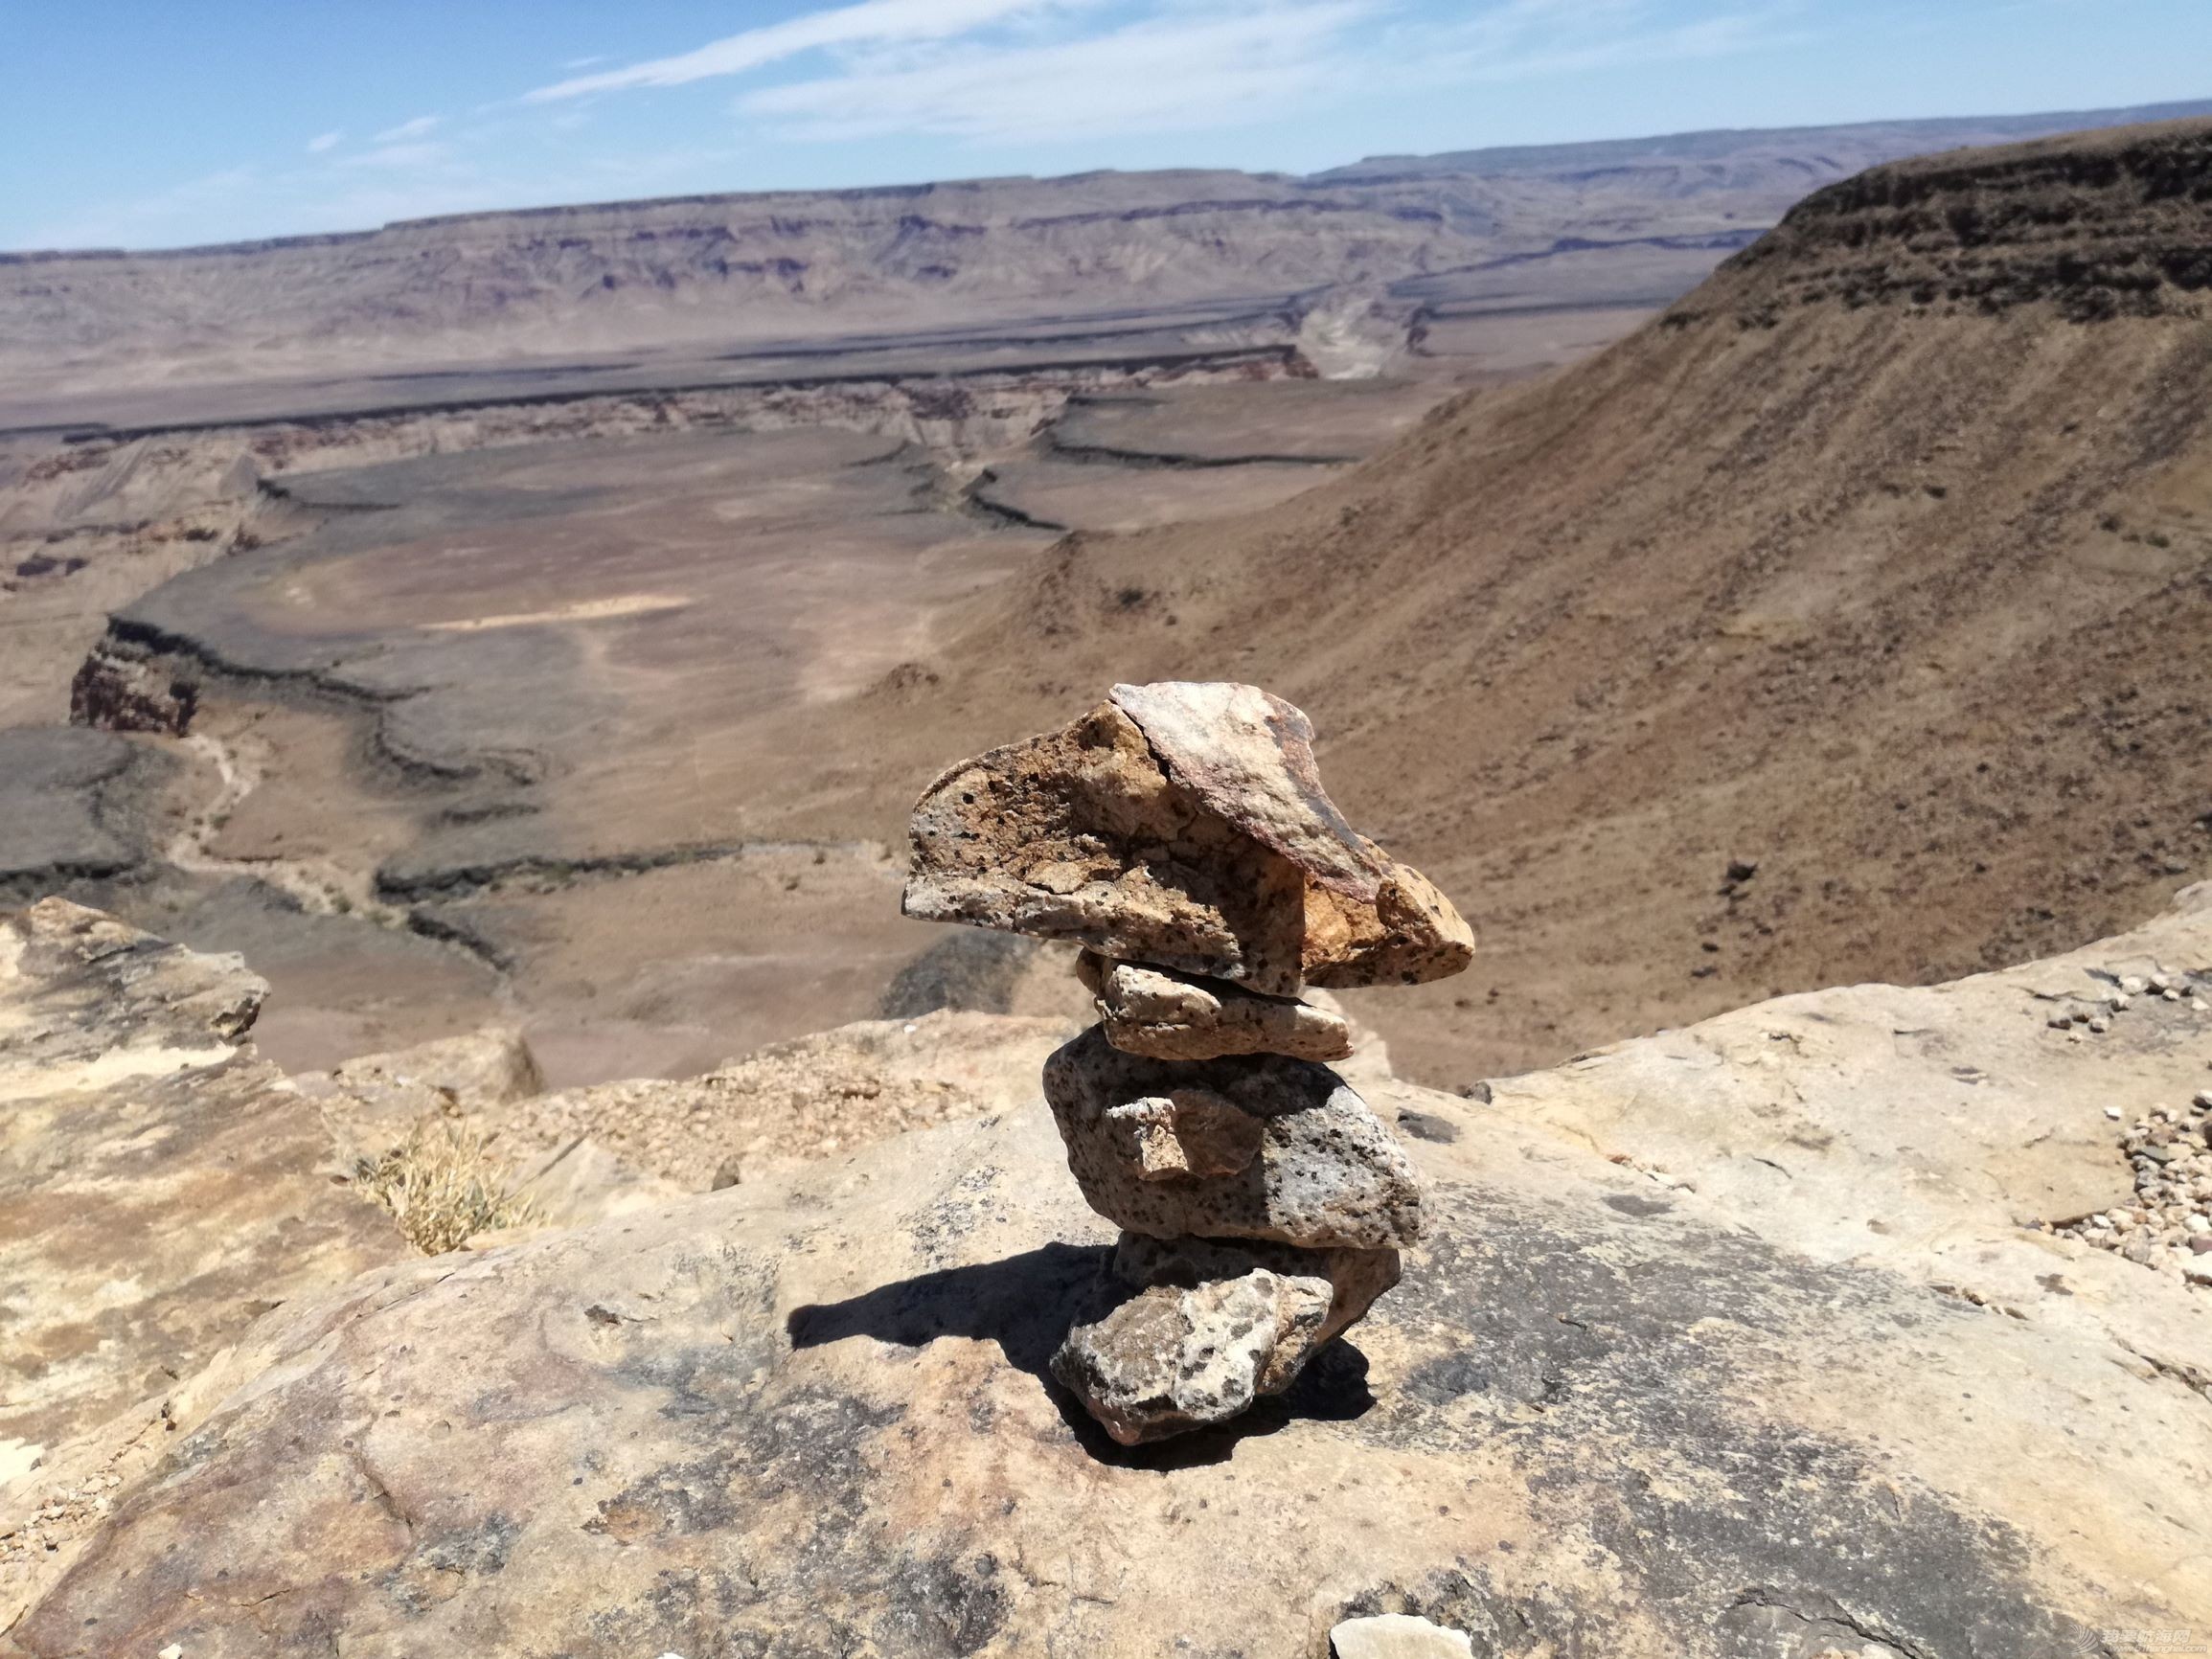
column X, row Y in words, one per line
column 1883, row 562
column 1253, row 253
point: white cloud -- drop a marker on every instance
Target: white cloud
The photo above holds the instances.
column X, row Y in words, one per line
column 584, row 62
column 400, row 155
column 871, row 21
column 1190, row 68
column 1528, row 39
column 419, row 128
column 326, row 141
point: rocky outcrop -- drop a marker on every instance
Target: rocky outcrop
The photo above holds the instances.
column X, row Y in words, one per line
column 2098, row 225
column 1639, row 1392
column 815, row 1097
column 1185, row 822
column 370, row 1102
column 161, row 1187
column 1602, row 1413
column 70, row 808
column 120, row 687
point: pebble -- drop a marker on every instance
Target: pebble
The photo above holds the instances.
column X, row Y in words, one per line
column 2100, row 1024
column 1398, row 1636
column 2169, row 1226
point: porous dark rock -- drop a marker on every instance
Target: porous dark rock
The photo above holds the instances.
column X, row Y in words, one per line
column 1199, row 1329
column 1323, row 1172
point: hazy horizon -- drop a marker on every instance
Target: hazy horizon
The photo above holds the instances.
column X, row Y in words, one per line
column 413, row 111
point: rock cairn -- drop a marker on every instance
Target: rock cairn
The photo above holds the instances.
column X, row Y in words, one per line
column 1180, row 833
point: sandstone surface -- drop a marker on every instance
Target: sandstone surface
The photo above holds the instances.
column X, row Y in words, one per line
column 161, row 1187
column 1606, row 1411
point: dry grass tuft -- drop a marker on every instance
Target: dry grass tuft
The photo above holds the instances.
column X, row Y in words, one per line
column 442, row 1187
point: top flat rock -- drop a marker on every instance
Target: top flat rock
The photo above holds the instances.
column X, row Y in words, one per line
column 1182, row 824
column 1249, row 755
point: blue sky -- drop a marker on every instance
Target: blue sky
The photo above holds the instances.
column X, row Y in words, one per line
column 157, row 122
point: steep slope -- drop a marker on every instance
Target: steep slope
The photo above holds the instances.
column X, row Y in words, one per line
column 1881, row 562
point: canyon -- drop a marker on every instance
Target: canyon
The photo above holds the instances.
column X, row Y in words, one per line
column 486, row 1165
column 568, row 694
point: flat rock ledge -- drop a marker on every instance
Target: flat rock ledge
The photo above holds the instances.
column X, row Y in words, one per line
column 1639, row 1393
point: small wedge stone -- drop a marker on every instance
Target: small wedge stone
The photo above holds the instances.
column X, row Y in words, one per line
column 1167, row 1015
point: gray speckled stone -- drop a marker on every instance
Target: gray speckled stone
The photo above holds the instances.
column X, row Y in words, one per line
column 1209, row 1326
column 1326, row 1172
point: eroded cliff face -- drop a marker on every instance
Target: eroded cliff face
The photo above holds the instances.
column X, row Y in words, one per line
column 1756, row 1338
column 2096, row 226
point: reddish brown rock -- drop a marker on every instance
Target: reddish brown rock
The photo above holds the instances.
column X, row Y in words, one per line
column 1181, row 824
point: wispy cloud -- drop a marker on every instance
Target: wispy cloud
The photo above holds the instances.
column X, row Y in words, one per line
column 420, row 127
column 871, row 21
column 400, row 155
column 327, row 140
column 1532, row 39
column 1191, row 67
column 1190, row 64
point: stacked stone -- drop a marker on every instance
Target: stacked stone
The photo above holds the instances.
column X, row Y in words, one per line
column 1180, row 834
